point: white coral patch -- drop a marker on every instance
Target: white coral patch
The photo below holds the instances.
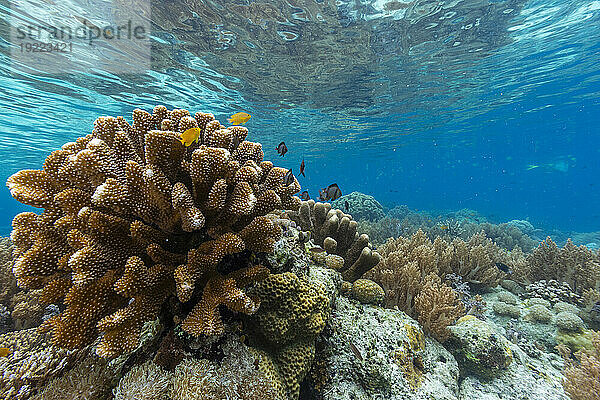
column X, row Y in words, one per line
column 99, row 193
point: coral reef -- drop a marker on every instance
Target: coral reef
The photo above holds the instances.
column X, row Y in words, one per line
column 552, row 291
column 8, row 283
column 361, row 206
column 31, row 362
column 479, row 350
column 131, row 216
column 437, row 306
column 234, row 376
column 90, row 379
column 507, row 236
column 409, row 263
column 381, row 230
column 582, row 377
column 393, row 361
column 337, row 233
column 367, row 292
column 293, row 312
column 578, row 266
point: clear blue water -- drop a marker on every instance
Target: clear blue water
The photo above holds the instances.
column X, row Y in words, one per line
column 490, row 105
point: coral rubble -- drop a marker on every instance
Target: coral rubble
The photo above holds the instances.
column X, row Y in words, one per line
column 131, row 217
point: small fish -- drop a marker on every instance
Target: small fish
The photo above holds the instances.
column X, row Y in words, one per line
column 347, row 205
column 4, row 351
column 190, row 136
column 281, row 149
column 302, row 168
column 288, row 179
column 317, row 250
column 531, row 166
column 239, row 118
column 304, row 196
column 323, row 194
column 235, row 142
column 443, row 227
column 503, row 267
column 333, row 192
column 355, row 351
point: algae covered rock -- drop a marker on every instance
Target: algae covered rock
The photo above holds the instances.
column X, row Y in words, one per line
column 478, row 349
column 376, row 353
column 360, row 206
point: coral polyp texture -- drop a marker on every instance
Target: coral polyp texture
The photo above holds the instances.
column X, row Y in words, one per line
column 337, row 233
column 131, row 217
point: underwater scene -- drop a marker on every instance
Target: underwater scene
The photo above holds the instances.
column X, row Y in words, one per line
column 300, row 200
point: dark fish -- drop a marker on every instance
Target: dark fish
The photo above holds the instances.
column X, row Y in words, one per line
column 503, row 267
column 302, row 169
column 333, row 192
column 317, row 250
column 236, row 142
column 281, row 149
column 346, row 205
column 288, row 179
column 323, row 194
column 355, row 351
column 304, row 196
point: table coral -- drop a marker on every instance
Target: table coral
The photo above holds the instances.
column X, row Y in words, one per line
column 131, row 217
column 337, row 233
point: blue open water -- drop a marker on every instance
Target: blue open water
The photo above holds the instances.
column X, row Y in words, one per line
column 488, row 105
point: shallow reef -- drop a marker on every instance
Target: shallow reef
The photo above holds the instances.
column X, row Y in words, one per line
column 160, row 271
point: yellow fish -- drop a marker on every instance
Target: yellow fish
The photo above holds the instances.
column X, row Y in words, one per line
column 444, row 227
column 239, row 118
column 190, row 136
column 4, row 351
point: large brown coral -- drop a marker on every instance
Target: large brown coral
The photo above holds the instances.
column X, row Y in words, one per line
column 131, row 217
column 337, row 233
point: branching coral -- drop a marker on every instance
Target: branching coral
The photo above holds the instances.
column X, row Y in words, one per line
column 437, row 307
column 576, row 265
column 131, row 216
column 582, row 378
column 337, row 233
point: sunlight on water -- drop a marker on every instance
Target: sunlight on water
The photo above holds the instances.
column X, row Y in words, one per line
column 409, row 85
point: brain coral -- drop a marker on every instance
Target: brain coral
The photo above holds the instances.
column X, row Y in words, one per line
column 293, row 312
column 131, row 216
column 360, row 205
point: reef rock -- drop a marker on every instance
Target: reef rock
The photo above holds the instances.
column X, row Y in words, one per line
column 525, row 378
column 360, row 206
column 375, row 353
column 478, row 348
